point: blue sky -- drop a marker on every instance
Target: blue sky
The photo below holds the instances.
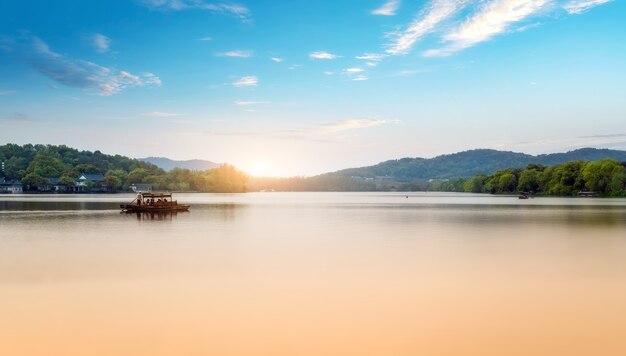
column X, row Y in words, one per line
column 304, row 87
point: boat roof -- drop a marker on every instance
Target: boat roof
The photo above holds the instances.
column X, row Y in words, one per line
column 156, row 195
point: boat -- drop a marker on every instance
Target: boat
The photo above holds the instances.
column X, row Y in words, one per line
column 588, row 194
column 154, row 203
column 523, row 195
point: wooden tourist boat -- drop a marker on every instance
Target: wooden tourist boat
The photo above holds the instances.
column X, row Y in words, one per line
column 154, row 203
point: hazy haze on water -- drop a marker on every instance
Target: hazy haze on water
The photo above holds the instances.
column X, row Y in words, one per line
column 314, row 274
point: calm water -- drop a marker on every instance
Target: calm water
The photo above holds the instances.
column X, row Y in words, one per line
column 313, row 274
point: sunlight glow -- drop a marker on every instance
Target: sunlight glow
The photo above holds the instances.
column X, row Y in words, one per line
column 259, row 168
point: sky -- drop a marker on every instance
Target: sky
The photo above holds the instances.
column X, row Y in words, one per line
column 282, row 88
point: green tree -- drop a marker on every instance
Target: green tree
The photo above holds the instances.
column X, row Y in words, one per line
column 111, row 182
column 66, row 180
column 476, row 184
column 32, row 181
column 137, row 175
column 603, row 175
column 528, row 181
column 567, row 178
column 507, row 183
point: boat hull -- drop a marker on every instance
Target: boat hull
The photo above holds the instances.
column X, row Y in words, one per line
column 134, row 208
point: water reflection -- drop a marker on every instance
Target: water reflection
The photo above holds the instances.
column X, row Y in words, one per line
column 313, row 274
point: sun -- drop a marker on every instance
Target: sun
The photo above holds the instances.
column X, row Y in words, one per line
column 259, row 168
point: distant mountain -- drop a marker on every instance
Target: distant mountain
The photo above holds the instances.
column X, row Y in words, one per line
column 169, row 164
column 469, row 163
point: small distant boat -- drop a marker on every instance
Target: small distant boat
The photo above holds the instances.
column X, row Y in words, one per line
column 153, row 203
column 588, row 194
column 523, row 195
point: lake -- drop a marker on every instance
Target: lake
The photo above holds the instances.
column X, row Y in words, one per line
column 313, row 274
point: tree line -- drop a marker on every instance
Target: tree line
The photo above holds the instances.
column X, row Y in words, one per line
column 606, row 177
column 34, row 165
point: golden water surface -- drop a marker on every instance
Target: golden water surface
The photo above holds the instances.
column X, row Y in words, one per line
column 313, row 274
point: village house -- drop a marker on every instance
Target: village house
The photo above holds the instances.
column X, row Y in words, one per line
column 141, row 187
column 10, row 186
column 90, row 182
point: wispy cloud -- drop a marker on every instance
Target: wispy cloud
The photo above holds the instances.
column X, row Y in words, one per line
column 228, row 8
column 276, row 59
column 427, row 21
column 389, row 8
column 205, row 39
column 353, row 70
column 101, row 43
column 16, row 117
column 6, row 92
column 360, row 78
column 565, row 144
column 408, row 72
column 492, row 19
column 579, row 6
column 372, row 57
column 161, row 114
column 77, row 73
column 236, row 54
column 618, row 135
column 349, row 124
column 249, row 103
column 247, row 81
column 527, row 26
column 322, row 55
column 324, row 132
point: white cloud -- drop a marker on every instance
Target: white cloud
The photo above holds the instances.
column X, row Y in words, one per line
column 375, row 57
column 389, row 8
column 322, row 55
column 101, row 42
column 360, row 78
column 349, row 124
column 151, row 79
column 236, row 54
column 276, row 59
column 75, row 72
column 353, row 70
column 161, row 114
column 579, row 6
column 492, row 19
column 204, row 39
column 527, row 26
column 249, row 103
column 436, row 12
column 233, row 9
column 247, row 81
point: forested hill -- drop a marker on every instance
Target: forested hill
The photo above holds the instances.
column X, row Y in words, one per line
column 469, row 163
column 37, row 166
column 58, row 161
